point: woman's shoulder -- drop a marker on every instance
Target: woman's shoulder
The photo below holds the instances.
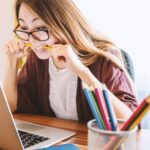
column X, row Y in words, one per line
column 104, row 68
column 105, row 61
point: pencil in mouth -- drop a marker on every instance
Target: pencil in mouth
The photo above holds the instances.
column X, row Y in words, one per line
column 46, row 47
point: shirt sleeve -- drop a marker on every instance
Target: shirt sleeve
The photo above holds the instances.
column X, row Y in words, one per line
column 118, row 83
column 26, row 86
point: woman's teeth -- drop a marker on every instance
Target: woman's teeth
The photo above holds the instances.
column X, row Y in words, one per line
column 39, row 49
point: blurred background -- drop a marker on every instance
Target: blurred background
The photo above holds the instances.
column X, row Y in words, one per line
column 126, row 22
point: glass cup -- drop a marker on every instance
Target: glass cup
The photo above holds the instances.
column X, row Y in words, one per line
column 110, row 140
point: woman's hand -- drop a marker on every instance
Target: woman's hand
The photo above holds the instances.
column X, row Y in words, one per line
column 15, row 49
column 65, row 57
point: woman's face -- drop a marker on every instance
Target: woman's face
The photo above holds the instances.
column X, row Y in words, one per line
column 29, row 21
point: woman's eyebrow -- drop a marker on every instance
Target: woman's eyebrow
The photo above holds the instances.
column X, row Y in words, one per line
column 20, row 19
column 33, row 20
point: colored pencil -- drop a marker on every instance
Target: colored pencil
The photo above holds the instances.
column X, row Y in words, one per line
column 111, row 114
column 90, row 102
column 146, row 109
column 94, row 99
column 103, row 112
column 136, row 113
column 135, row 118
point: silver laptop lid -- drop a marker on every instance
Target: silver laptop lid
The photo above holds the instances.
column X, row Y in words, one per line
column 9, row 137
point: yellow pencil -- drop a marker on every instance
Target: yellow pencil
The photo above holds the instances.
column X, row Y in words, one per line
column 47, row 47
column 147, row 108
column 28, row 44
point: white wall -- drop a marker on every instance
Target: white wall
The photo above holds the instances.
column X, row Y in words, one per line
column 6, row 20
column 127, row 23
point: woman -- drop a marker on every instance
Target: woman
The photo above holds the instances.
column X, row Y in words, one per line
column 50, row 81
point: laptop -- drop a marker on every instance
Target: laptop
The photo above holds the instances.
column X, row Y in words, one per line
column 20, row 135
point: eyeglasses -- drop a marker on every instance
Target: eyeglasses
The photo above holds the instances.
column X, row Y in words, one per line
column 39, row 35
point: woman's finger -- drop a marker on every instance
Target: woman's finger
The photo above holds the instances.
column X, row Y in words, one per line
column 16, row 46
column 26, row 51
column 6, row 48
column 11, row 47
column 21, row 44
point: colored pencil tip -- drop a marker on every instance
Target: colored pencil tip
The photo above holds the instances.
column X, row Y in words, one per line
column 84, row 85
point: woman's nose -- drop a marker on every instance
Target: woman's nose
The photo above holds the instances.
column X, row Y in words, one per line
column 31, row 39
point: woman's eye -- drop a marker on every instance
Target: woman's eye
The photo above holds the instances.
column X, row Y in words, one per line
column 23, row 28
column 41, row 28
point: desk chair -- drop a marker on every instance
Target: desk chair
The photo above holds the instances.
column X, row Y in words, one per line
column 128, row 63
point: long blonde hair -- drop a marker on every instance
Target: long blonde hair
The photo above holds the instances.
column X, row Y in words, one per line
column 67, row 23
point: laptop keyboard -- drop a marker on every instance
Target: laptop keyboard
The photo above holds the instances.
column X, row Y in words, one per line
column 29, row 139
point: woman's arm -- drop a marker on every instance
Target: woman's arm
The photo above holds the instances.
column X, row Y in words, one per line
column 121, row 110
column 10, row 54
column 9, row 80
